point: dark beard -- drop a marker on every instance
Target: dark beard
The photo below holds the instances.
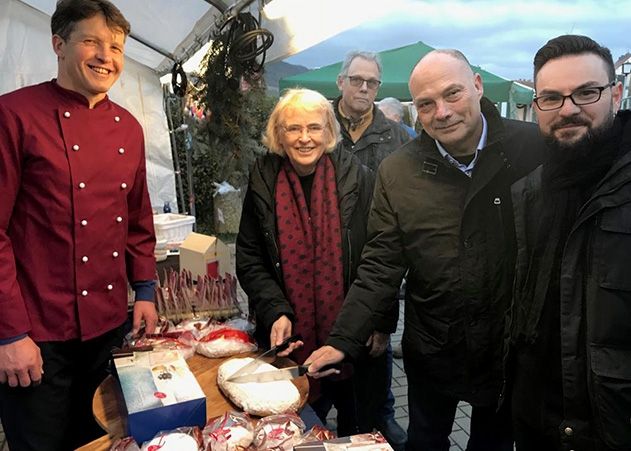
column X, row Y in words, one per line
column 581, row 149
column 583, row 162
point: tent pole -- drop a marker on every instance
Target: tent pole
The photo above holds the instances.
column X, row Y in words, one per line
column 176, row 159
column 153, row 47
column 217, row 4
column 188, row 142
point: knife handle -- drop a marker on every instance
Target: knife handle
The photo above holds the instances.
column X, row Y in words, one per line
column 304, row 369
column 286, row 342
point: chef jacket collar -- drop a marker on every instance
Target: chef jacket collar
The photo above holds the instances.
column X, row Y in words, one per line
column 75, row 97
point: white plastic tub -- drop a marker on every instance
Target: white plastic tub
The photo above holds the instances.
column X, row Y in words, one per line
column 172, row 227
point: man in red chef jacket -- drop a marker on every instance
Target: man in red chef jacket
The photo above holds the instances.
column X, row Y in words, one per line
column 75, row 226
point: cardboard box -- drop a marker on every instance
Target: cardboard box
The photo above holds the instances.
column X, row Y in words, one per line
column 359, row 442
column 205, row 255
column 160, row 393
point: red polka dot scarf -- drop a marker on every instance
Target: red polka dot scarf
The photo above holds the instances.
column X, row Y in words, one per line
column 310, row 252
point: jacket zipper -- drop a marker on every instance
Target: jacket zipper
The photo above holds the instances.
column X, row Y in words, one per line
column 498, row 206
column 350, row 259
column 276, row 264
column 497, row 201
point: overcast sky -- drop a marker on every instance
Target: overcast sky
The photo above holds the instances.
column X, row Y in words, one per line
column 500, row 36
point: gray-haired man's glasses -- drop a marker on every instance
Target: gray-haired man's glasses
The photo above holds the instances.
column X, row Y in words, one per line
column 359, row 81
column 582, row 96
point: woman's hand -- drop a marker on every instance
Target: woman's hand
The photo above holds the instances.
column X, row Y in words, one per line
column 281, row 329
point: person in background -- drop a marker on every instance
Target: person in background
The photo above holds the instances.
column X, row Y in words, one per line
column 442, row 213
column 368, row 134
column 75, row 226
column 393, row 109
column 302, row 230
column 572, row 303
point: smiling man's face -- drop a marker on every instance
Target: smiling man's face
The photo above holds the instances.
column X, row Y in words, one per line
column 446, row 94
column 568, row 126
column 91, row 59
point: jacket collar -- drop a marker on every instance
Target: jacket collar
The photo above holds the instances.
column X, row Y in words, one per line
column 491, row 159
column 379, row 122
column 615, row 187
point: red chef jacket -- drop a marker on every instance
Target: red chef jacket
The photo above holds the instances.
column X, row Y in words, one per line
column 75, row 215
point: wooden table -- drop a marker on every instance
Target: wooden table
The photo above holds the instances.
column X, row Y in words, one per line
column 108, row 405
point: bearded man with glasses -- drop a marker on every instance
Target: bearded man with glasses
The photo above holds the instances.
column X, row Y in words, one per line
column 572, row 299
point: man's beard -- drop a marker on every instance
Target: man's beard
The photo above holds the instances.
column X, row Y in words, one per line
column 571, row 151
column 582, row 162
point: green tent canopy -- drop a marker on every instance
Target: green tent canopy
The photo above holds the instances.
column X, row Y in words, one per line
column 397, row 66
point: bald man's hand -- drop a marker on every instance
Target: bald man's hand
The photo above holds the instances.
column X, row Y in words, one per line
column 326, row 355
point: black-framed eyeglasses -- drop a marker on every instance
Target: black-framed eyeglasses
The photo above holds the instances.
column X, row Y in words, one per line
column 582, row 96
column 359, row 81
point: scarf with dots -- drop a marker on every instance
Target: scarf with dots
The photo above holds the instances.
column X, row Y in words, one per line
column 310, row 242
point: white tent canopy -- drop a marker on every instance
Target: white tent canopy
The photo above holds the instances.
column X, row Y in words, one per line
column 176, row 29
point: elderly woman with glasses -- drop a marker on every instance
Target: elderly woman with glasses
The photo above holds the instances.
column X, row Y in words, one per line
column 302, row 231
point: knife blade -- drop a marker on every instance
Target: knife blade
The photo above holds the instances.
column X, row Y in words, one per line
column 280, row 374
column 267, row 357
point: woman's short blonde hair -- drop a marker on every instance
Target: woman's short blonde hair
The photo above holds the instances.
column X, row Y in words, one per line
column 301, row 100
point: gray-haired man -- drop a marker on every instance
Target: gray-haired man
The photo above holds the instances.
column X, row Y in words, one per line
column 367, row 133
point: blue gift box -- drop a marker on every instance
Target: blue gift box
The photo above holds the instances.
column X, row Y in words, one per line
column 160, row 393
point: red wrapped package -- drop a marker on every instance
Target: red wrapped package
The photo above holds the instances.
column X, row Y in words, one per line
column 225, row 342
column 125, row 444
column 180, row 439
column 230, row 432
column 278, row 433
column 317, row 434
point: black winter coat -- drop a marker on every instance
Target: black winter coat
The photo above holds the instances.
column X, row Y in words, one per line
column 595, row 305
column 455, row 236
column 380, row 139
column 257, row 255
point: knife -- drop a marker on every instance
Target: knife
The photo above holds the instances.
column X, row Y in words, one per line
column 267, row 357
column 280, row 374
